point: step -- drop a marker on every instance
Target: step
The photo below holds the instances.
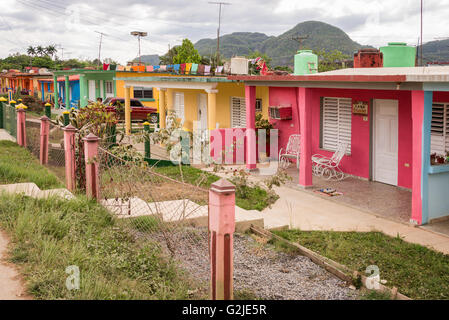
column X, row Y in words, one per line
column 33, row 191
column 177, row 210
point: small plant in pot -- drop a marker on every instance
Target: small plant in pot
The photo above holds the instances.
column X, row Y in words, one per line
column 266, row 125
column 440, row 159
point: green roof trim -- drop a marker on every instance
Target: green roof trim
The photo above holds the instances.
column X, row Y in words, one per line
column 82, row 71
column 176, row 79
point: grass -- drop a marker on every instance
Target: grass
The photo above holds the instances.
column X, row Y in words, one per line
column 50, row 235
column 248, row 198
column 418, row 272
column 18, row 165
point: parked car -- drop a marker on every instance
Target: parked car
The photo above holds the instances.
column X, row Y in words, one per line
column 139, row 112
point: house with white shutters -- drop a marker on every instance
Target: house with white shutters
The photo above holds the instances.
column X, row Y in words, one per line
column 215, row 102
column 392, row 120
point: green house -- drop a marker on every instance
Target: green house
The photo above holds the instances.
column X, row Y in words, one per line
column 77, row 87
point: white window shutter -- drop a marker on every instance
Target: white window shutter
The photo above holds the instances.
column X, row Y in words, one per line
column 440, row 129
column 179, row 105
column 238, row 112
column 337, row 119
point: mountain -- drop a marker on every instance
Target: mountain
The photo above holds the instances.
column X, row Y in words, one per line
column 152, row 59
column 282, row 48
column 436, row 50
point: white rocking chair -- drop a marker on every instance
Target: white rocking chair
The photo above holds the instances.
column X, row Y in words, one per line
column 293, row 151
column 329, row 168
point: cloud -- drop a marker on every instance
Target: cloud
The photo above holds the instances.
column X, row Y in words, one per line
column 72, row 23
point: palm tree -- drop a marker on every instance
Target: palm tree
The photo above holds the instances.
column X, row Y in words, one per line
column 31, row 52
column 51, row 50
column 40, row 50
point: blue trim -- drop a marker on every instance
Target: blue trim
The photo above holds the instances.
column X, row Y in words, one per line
column 425, row 155
column 43, row 92
column 438, row 86
column 439, row 169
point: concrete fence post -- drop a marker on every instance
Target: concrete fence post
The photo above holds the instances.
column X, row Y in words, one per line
column 2, row 106
column 45, row 131
column 91, row 143
column 69, row 148
column 48, row 110
column 146, row 128
column 21, row 129
column 221, row 241
column 66, row 116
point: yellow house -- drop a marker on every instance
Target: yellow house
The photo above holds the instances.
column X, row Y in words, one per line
column 215, row 102
column 147, row 95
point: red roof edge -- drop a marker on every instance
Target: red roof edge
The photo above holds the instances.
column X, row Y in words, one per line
column 324, row 78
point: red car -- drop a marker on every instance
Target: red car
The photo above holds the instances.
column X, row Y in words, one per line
column 138, row 111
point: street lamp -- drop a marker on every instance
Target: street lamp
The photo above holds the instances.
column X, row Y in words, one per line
column 139, row 34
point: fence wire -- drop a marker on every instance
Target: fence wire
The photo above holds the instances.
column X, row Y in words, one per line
column 56, row 154
column 32, row 128
column 153, row 206
column 10, row 120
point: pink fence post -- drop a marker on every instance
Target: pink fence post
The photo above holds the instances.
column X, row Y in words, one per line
column 221, row 241
column 45, row 131
column 69, row 147
column 21, row 130
column 92, row 178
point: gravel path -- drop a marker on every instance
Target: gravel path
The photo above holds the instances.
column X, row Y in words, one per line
column 269, row 274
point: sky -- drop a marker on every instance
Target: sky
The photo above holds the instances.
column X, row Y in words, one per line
column 73, row 24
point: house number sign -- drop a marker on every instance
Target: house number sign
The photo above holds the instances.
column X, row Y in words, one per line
column 360, row 108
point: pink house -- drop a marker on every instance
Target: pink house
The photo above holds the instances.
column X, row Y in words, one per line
column 393, row 119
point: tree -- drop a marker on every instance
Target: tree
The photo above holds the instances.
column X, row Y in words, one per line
column 169, row 56
column 51, row 50
column 31, row 52
column 40, row 50
column 330, row 60
column 187, row 53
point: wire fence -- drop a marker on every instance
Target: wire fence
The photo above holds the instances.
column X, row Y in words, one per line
column 10, row 120
column 56, row 153
column 33, row 143
column 153, row 206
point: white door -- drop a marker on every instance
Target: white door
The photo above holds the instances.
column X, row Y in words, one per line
column 179, row 105
column 385, row 146
column 202, row 111
column 102, row 89
column 92, row 93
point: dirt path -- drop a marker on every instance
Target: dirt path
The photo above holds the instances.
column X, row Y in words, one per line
column 11, row 287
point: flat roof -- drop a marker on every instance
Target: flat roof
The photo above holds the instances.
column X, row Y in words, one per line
column 398, row 75
column 201, row 79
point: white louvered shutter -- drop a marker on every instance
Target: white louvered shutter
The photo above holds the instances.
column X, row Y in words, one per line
column 238, row 112
column 337, row 118
column 179, row 105
column 440, row 129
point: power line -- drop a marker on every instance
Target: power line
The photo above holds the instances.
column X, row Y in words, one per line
column 300, row 39
column 99, row 49
column 220, row 4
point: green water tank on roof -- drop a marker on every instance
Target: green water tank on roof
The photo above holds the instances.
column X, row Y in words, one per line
column 398, row 54
column 306, row 62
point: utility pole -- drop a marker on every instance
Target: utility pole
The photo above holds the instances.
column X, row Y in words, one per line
column 300, row 39
column 421, row 49
column 139, row 34
column 220, row 4
column 99, row 48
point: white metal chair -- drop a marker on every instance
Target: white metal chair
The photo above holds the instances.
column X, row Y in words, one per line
column 293, row 151
column 329, row 168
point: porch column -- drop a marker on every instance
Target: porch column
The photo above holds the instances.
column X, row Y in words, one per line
column 67, row 93
column 422, row 120
column 128, row 110
column 83, row 91
column 97, row 90
column 212, row 108
column 250, row 98
column 55, row 90
column 305, row 121
column 162, row 110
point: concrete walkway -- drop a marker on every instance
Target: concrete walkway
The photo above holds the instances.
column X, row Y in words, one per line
column 4, row 135
column 301, row 209
column 11, row 287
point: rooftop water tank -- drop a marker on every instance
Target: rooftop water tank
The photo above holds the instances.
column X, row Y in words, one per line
column 306, row 62
column 398, row 54
column 239, row 65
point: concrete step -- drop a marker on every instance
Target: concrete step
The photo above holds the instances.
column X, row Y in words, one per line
column 177, row 210
column 33, row 191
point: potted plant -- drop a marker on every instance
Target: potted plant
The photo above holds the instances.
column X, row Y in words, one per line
column 433, row 159
column 266, row 125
